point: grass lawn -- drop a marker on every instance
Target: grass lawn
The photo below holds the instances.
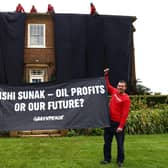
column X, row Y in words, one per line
column 142, row 151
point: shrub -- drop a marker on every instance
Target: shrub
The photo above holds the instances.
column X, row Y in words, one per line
column 95, row 131
column 138, row 102
column 71, row 133
column 144, row 101
column 148, row 121
column 86, row 131
column 4, row 133
column 152, row 101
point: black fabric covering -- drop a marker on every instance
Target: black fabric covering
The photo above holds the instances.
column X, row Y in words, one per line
column 95, row 46
column 70, row 46
column 131, row 64
column 2, row 68
column 86, row 44
column 12, row 32
column 117, row 47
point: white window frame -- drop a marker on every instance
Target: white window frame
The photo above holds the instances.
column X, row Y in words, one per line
column 44, row 37
column 36, row 76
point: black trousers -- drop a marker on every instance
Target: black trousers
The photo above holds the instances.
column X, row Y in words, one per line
column 109, row 133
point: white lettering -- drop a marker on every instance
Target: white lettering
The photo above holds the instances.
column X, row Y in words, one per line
column 34, row 94
column 36, row 106
column 61, row 92
column 47, row 118
column 65, row 104
column 82, row 91
column 7, row 95
column 20, row 107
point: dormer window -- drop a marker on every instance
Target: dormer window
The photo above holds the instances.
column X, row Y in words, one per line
column 36, row 36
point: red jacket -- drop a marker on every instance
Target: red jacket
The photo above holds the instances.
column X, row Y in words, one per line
column 50, row 8
column 92, row 9
column 119, row 104
column 33, row 10
column 19, row 8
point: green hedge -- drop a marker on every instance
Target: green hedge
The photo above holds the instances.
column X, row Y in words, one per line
column 148, row 121
column 144, row 101
column 144, row 121
column 89, row 131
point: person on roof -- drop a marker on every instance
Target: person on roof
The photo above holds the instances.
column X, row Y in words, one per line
column 93, row 9
column 19, row 8
column 33, row 9
column 50, row 9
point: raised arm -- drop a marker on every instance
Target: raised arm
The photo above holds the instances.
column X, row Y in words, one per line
column 110, row 88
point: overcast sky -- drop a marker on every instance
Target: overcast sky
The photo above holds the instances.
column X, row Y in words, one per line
column 150, row 38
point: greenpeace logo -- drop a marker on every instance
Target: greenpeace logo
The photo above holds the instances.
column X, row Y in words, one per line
column 48, row 118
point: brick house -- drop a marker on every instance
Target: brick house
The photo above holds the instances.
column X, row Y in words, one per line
column 39, row 51
column 39, row 59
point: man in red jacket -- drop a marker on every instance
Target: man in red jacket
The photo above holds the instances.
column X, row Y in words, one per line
column 33, row 9
column 119, row 108
column 20, row 8
column 50, row 9
column 93, row 9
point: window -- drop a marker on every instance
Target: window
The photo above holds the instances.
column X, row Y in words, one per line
column 37, row 75
column 37, row 72
column 36, row 35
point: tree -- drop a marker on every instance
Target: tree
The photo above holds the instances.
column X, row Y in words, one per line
column 141, row 89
